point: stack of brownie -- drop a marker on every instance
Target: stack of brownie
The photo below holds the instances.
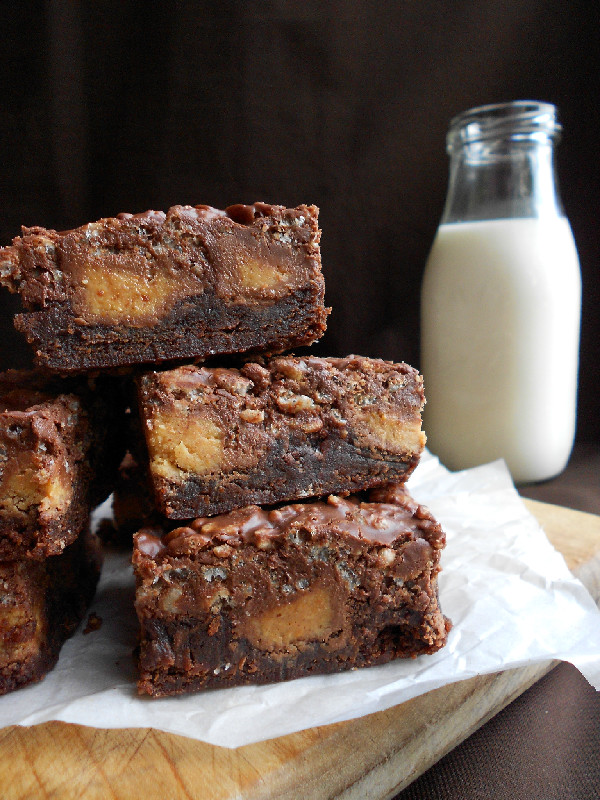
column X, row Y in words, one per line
column 55, row 465
column 276, row 538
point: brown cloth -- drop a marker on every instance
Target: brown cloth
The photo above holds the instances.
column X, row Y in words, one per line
column 543, row 746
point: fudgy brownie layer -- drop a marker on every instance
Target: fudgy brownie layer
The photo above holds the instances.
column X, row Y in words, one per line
column 259, row 595
column 153, row 287
column 41, row 605
column 278, row 430
column 60, row 445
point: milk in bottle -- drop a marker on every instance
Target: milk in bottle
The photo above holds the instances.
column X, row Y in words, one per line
column 501, row 300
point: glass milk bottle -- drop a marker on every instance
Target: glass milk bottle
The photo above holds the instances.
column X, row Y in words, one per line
column 501, row 299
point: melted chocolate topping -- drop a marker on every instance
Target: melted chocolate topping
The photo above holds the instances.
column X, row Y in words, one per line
column 378, row 522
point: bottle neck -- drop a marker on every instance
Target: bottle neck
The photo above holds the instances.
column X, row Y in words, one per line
column 502, row 178
column 502, row 162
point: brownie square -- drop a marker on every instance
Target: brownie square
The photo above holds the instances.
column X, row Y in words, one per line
column 60, row 445
column 41, row 605
column 261, row 595
column 186, row 284
column 277, row 430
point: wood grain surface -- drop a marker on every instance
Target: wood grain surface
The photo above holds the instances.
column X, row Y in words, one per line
column 374, row 756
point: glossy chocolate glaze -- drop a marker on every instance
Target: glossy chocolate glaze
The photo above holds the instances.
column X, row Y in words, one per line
column 399, row 519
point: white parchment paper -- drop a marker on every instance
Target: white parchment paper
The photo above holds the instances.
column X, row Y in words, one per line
column 509, row 594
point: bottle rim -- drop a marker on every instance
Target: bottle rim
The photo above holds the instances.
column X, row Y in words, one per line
column 517, row 119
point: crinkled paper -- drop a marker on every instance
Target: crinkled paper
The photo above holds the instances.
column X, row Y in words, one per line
column 510, row 596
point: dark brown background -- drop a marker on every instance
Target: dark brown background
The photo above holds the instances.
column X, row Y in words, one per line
column 117, row 106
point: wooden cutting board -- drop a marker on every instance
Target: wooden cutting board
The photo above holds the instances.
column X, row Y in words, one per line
column 374, row 757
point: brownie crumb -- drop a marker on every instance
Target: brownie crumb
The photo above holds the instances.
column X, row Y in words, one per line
column 94, row 623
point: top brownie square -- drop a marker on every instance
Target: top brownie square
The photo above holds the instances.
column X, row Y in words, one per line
column 185, row 284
